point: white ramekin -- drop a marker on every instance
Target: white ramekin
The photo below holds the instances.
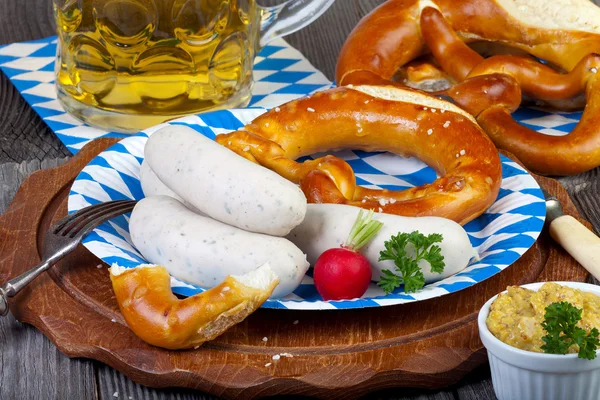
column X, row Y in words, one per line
column 525, row 375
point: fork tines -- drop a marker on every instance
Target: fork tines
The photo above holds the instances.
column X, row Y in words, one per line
column 89, row 217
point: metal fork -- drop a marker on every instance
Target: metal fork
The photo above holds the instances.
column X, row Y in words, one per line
column 62, row 239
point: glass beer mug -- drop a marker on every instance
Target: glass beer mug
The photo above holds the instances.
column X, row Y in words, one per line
column 125, row 65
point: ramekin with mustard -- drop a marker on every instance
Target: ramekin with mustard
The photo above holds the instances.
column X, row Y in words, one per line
column 512, row 328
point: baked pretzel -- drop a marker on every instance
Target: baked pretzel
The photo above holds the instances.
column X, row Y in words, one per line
column 404, row 122
column 566, row 35
column 159, row 318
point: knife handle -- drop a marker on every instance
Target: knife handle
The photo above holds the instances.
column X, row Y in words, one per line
column 581, row 243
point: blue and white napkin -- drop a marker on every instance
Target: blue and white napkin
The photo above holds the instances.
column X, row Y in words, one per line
column 281, row 74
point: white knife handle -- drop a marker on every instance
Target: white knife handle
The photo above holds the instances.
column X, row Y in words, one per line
column 581, row 243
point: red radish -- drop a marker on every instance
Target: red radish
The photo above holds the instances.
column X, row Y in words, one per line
column 343, row 273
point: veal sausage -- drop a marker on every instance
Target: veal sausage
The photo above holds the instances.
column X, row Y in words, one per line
column 152, row 186
column 327, row 226
column 222, row 184
column 202, row 251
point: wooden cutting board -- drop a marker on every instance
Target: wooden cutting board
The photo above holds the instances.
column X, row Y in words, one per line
column 336, row 354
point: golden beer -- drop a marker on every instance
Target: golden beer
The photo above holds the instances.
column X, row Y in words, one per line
column 125, row 65
column 129, row 64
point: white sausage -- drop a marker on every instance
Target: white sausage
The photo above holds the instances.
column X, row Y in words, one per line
column 223, row 185
column 152, row 186
column 202, row 251
column 327, row 226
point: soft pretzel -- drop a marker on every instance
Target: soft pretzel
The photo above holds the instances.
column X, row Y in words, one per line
column 576, row 152
column 159, row 318
column 405, row 122
column 565, row 33
column 561, row 32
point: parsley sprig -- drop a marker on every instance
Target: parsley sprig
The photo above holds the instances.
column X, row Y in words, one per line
column 407, row 269
column 560, row 324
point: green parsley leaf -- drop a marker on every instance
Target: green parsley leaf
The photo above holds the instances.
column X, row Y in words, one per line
column 389, row 281
column 407, row 269
column 562, row 332
column 589, row 344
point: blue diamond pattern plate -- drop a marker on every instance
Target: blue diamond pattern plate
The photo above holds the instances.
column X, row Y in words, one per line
column 501, row 235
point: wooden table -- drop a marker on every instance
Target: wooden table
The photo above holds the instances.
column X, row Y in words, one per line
column 30, row 366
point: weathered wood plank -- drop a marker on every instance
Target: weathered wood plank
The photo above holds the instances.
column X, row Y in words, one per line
column 111, row 381
column 476, row 386
column 25, row 20
column 13, row 174
column 23, row 133
column 412, row 394
column 584, row 189
column 33, row 368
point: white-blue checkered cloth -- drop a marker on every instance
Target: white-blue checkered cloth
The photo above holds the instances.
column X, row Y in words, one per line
column 281, row 74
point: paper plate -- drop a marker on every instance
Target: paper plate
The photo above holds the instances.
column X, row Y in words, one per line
column 500, row 236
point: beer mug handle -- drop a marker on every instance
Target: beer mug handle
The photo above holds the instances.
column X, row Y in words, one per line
column 289, row 17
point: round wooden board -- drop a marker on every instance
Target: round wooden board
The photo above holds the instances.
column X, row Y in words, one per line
column 336, row 354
